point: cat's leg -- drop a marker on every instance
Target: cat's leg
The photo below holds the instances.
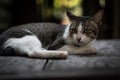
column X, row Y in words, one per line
column 31, row 46
column 49, row 54
column 59, row 42
column 78, row 50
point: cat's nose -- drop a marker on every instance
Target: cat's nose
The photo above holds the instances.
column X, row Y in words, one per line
column 79, row 39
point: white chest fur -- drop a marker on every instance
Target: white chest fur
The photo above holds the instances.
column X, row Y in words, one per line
column 67, row 37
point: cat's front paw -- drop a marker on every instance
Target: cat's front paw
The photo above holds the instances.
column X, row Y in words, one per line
column 74, row 50
column 85, row 51
column 90, row 51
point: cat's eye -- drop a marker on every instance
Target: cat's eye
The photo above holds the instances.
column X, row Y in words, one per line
column 87, row 31
column 73, row 30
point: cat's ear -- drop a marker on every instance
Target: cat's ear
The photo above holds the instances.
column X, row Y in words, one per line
column 71, row 16
column 98, row 17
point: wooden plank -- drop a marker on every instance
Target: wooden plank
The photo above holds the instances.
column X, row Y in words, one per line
column 9, row 65
column 106, row 62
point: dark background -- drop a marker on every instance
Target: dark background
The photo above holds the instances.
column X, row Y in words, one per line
column 16, row 12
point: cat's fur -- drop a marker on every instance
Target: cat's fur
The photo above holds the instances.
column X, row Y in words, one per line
column 41, row 40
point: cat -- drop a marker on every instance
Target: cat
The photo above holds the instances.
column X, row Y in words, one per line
column 51, row 40
column 82, row 33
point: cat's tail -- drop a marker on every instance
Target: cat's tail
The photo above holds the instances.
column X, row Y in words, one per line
column 49, row 54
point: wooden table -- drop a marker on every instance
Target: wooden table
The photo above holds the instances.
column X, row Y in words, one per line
column 106, row 64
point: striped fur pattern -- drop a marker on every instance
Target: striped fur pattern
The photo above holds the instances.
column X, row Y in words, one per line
column 50, row 40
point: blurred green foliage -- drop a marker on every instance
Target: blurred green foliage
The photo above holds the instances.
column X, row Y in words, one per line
column 49, row 9
column 66, row 3
column 102, row 3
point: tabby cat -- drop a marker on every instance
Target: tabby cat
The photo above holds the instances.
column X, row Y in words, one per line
column 50, row 40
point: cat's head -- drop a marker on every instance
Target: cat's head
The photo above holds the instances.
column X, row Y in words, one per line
column 84, row 30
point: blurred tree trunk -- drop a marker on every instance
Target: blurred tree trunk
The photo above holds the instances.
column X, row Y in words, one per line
column 109, row 18
column 24, row 11
column 5, row 14
column 90, row 7
column 116, row 28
